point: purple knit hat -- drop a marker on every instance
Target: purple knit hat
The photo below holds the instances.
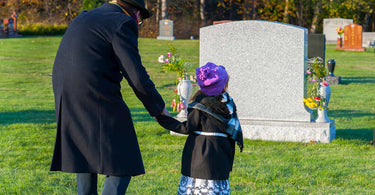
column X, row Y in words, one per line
column 211, row 78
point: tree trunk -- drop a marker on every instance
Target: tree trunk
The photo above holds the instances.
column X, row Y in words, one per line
column 254, row 9
column 299, row 14
column 164, row 9
column 202, row 13
column 157, row 12
column 314, row 23
column 246, row 10
column 286, row 12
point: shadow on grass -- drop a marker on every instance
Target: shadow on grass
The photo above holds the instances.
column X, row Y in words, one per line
column 348, row 80
column 350, row 134
column 348, row 113
column 359, row 134
column 48, row 116
column 27, row 116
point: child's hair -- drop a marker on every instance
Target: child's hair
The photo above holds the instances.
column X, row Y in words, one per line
column 199, row 92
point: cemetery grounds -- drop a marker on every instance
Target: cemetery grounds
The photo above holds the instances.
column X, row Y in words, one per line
column 27, row 130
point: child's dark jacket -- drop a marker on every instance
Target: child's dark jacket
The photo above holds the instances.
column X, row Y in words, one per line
column 204, row 157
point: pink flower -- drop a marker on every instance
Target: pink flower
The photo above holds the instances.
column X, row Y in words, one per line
column 179, row 78
column 173, row 103
column 166, row 61
column 325, row 83
column 313, row 80
column 182, row 106
column 178, row 107
column 308, row 72
column 169, row 54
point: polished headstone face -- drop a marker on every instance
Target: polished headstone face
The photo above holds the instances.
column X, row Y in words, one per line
column 266, row 62
column 316, row 46
column 330, row 25
column 353, row 36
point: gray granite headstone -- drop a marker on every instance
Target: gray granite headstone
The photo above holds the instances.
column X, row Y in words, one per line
column 11, row 28
column 166, row 30
column 367, row 38
column 266, row 62
column 330, row 25
column 316, row 46
column 2, row 33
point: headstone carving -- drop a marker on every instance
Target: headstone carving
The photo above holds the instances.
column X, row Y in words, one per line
column 266, row 62
column 166, row 30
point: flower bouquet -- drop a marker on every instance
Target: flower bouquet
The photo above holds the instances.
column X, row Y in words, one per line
column 173, row 63
column 339, row 31
column 317, row 96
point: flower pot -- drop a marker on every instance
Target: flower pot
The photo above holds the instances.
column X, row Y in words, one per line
column 184, row 90
column 331, row 66
column 325, row 92
column 339, row 42
column 322, row 116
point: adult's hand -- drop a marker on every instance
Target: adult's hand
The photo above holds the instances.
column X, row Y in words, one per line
column 164, row 112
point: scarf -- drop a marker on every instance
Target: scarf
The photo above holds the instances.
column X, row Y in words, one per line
column 234, row 129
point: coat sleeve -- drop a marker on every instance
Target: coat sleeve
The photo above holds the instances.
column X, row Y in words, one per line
column 192, row 124
column 125, row 45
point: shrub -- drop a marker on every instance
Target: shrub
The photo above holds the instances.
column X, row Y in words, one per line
column 42, row 29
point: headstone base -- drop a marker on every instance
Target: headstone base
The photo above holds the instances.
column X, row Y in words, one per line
column 285, row 131
column 166, row 38
column 289, row 131
column 333, row 80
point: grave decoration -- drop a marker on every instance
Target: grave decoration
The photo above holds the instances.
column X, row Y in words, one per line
column 173, row 63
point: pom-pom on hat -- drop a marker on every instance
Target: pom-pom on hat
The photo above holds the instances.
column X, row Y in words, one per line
column 212, row 78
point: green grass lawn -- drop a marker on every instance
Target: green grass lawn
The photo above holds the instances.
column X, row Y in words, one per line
column 27, row 130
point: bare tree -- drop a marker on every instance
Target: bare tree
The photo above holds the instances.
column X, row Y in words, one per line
column 286, row 12
column 202, row 13
column 164, row 9
column 314, row 23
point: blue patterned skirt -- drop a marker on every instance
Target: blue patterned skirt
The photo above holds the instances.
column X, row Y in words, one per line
column 195, row 186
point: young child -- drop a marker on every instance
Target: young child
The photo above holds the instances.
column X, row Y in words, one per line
column 213, row 129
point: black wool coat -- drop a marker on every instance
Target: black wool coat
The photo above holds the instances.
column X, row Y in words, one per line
column 204, row 157
column 95, row 132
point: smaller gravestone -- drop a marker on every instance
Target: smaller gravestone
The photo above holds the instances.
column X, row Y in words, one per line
column 166, row 30
column 11, row 32
column 2, row 33
column 316, row 46
column 330, row 25
column 368, row 39
column 5, row 26
column 353, row 38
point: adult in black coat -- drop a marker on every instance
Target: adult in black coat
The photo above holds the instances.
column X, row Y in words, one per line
column 95, row 132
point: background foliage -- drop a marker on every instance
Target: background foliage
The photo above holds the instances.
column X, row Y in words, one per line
column 190, row 15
